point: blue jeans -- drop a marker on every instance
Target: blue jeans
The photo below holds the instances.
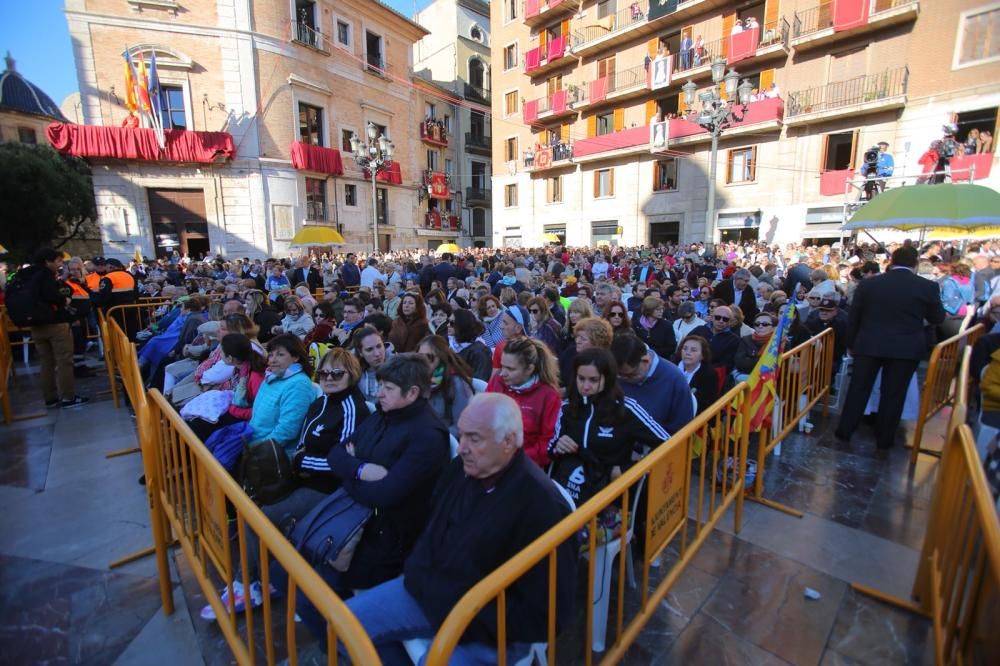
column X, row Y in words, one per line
column 390, row 616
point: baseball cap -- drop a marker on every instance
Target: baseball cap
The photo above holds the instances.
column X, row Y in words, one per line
column 519, row 314
column 115, row 263
column 99, row 261
column 828, row 304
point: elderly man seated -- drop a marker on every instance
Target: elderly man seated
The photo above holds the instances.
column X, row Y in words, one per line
column 489, row 504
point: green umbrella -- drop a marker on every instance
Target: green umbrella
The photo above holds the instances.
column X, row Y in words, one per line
column 948, row 205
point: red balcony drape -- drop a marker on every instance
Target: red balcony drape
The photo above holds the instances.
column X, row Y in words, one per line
column 743, row 45
column 849, row 14
column 138, row 143
column 530, row 114
column 307, row 157
column 559, row 101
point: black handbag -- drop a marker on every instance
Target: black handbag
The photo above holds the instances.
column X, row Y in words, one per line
column 330, row 532
column 265, row 472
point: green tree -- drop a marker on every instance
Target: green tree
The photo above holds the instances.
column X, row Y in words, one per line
column 45, row 198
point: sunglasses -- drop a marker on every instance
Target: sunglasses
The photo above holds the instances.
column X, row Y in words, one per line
column 720, row 318
column 813, row 298
column 762, row 324
column 617, row 314
column 331, row 374
column 534, row 310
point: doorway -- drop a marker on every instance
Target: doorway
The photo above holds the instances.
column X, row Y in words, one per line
column 179, row 223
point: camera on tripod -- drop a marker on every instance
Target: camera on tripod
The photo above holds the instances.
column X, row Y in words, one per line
column 871, row 157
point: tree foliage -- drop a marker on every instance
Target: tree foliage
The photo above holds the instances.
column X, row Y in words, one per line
column 45, row 198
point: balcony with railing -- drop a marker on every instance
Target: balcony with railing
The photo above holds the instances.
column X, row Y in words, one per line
column 761, row 117
column 549, row 156
column 831, row 19
column 436, row 183
column 618, row 86
column 863, row 94
column 441, row 221
column 536, row 12
column 478, row 143
column 559, row 104
column 375, row 64
column 552, row 55
column 433, row 132
column 477, row 94
column 308, row 35
column 478, row 195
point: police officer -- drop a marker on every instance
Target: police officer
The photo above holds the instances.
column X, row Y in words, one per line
column 117, row 286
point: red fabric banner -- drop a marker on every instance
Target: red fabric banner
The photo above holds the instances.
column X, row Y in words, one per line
column 137, row 143
column 849, row 14
column 557, row 48
column 743, row 45
column 559, row 100
column 533, row 59
column 530, row 113
column 834, row 183
column 307, row 157
column 599, row 90
column 439, row 185
column 543, row 159
column 634, row 136
column 960, row 165
column 393, row 175
column 532, row 8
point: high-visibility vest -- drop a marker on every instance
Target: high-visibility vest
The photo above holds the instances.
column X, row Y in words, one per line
column 121, row 281
column 78, row 290
column 93, row 281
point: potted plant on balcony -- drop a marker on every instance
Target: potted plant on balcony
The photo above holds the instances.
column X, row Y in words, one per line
column 573, row 94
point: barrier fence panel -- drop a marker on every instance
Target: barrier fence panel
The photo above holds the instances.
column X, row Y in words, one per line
column 685, row 500
column 803, row 378
column 192, row 494
column 939, row 386
column 136, row 316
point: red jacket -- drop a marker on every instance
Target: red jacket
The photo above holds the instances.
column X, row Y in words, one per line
column 539, row 405
column 253, row 385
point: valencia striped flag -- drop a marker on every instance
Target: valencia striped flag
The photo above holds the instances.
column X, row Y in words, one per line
column 762, row 379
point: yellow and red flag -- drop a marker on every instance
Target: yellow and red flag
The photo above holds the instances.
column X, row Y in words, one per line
column 762, row 379
column 142, row 87
column 130, row 100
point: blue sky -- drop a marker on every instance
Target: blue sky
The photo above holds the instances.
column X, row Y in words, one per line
column 35, row 33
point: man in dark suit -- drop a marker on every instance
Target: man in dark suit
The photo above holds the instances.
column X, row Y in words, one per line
column 885, row 331
column 737, row 291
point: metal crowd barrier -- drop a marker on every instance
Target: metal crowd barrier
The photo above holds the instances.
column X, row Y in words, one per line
column 802, row 378
column 940, row 385
column 957, row 584
column 684, row 503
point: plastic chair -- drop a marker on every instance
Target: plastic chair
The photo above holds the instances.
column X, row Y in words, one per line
column 604, row 566
column 478, row 385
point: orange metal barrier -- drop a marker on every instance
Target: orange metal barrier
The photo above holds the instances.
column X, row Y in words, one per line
column 940, row 385
column 958, row 580
column 191, row 493
column 134, row 317
column 684, row 503
column 803, row 378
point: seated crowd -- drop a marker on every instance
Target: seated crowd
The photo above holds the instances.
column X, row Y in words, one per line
column 401, row 396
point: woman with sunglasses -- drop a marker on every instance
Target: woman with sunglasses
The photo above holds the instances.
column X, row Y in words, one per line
column 451, row 380
column 542, row 325
column 296, row 321
column 616, row 315
column 752, row 346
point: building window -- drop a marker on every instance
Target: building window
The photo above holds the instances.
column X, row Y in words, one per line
column 446, row 121
column 172, row 103
column 510, row 56
column 510, row 103
column 605, row 123
column 27, row 135
column 449, row 168
column 553, row 189
column 310, row 124
column 430, row 110
column 510, row 9
column 345, row 140
column 373, row 52
column 839, row 151
column 432, row 160
column 350, row 195
column 978, row 30
column 478, row 221
column 741, row 165
column 343, row 33
column 604, row 183
column 510, row 195
column 604, row 232
column 510, row 149
column 476, row 33
column 605, row 8
column 315, row 200
column 382, row 205
column 665, row 175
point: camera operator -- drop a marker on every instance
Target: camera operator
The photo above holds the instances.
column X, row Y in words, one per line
column 946, row 150
column 877, row 166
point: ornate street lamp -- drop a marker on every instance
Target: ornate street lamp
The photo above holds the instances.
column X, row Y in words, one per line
column 376, row 157
column 715, row 115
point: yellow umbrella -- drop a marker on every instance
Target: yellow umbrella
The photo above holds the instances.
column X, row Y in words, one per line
column 960, row 234
column 550, row 238
column 447, row 247
column 316, row 236
column 3, row 250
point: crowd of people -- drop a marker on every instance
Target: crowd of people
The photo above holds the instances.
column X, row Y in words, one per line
column 516, row 367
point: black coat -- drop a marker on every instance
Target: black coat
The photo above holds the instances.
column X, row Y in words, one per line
column 480, row 359
column 471, row 532
column 660, row 338
column 705, row 386
column 887, row 315
column 723, row 346
column 748, row 301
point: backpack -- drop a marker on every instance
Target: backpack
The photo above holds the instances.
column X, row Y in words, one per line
column 329, row 534
column 265, row 472
column 23, row 299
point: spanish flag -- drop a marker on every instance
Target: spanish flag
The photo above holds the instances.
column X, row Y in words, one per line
column 762, row 378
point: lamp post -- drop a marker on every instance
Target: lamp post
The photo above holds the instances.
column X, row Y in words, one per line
column 715, row 115
column 376, row 157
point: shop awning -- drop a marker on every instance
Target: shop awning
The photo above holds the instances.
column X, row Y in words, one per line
column 139, row 143
column 307, row 157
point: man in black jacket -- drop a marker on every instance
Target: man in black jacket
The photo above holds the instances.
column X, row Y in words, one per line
column 885, row 331
column 490, row 503
column 738, row 291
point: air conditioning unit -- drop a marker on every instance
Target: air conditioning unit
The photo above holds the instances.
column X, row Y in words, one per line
column 512, row 167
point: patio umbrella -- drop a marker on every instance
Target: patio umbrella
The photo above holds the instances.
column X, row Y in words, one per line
column 959, row 234
column 316, row 236
column 948, row 205
column 550, row 238
column 447, row 247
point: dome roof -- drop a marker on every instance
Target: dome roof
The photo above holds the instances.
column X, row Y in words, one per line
column 19, row 94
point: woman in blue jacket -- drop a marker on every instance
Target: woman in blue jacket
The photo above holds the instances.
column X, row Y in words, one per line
column 284, row 398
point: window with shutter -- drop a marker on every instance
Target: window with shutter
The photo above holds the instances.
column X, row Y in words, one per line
column 619, row 120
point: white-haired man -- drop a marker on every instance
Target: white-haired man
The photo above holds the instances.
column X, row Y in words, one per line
column 490, row 503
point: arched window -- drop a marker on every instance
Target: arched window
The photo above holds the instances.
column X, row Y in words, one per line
column 477, row 73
